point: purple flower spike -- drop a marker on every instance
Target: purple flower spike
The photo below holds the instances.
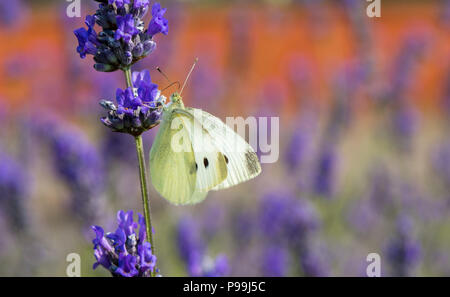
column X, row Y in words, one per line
column 138, row 109
column 123, row 39
column 13, row 193
column 124, row 252
column 192, row 250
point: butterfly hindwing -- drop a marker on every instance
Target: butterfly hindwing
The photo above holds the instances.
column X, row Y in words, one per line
column 240, row 159
column 210, row 163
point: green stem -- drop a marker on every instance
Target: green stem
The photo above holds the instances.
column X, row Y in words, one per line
column 143, row 177
column 127, row 72
column 144, row 190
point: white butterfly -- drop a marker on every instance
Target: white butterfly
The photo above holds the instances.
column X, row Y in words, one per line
column 195, row 152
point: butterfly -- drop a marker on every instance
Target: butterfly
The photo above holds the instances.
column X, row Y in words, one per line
column 195, row 152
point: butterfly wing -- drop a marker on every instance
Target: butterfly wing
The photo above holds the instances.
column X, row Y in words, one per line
column 173, row 173
column 210, row 164
column 241, row 160
column 182, row 171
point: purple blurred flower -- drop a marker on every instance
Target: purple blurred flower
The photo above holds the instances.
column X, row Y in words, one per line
column 380, row 193
column 403, row 251
column 243, row 227
column 412, row 49
column 12, row 12
column 206, row 83
column 284, row 217
column 190, row 244
column 324, row 178
column 125, row 252
column 275, row 260
column 363, row 216
column 274, row 213
column 312, row 264
column 216, row 268
column 441, row 163
column 445, row 13
column 446, row 90
column 297, row 148
column 13, row 192
column 212, row 220
column 192, row 250
column 117, row 147
column 78, row 164
column 404, row 124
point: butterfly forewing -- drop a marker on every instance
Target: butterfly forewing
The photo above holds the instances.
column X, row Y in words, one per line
column 184, row 162
column 172, row 172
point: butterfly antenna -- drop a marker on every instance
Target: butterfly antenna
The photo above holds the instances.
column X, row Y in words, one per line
column 163, row 74
column 189, row 74
column 174, row 83
column 167, row 78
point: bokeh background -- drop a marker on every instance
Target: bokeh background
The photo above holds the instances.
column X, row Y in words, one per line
column 364, row 161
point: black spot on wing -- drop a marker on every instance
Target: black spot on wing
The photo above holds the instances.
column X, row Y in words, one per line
column 205, row 162
column 252, row 162
column 226, row 159
column 193, row 169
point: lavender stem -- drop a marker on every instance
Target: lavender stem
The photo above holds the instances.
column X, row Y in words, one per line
column 143, row 176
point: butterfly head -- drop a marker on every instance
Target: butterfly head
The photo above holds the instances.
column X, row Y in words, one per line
column 176, row 99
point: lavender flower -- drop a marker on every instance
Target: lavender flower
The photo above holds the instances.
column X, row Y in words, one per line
column 158, row 24
column 13, row 189
column 190, row 245
column 212, row 220
column 123, row 40
column 403, row 251
column 404, row 124
column 296, row 150
column 126, row 28
column 11, row 12
column 299, row 147
column 193, row 252
column 138, row 109
column 381, row 194
column 413, row 48
column 79, row 164
column 446, row 89
column 218, row 267
column 275, row 260
column 125, row 252
column 243, row 227
column 441, row 163
column 283, row 217
column 325, row 172
column 312, row 264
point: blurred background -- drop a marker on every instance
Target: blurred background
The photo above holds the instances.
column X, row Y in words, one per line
column 364, row 161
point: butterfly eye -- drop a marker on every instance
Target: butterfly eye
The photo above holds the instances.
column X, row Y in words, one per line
column 205, row 162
